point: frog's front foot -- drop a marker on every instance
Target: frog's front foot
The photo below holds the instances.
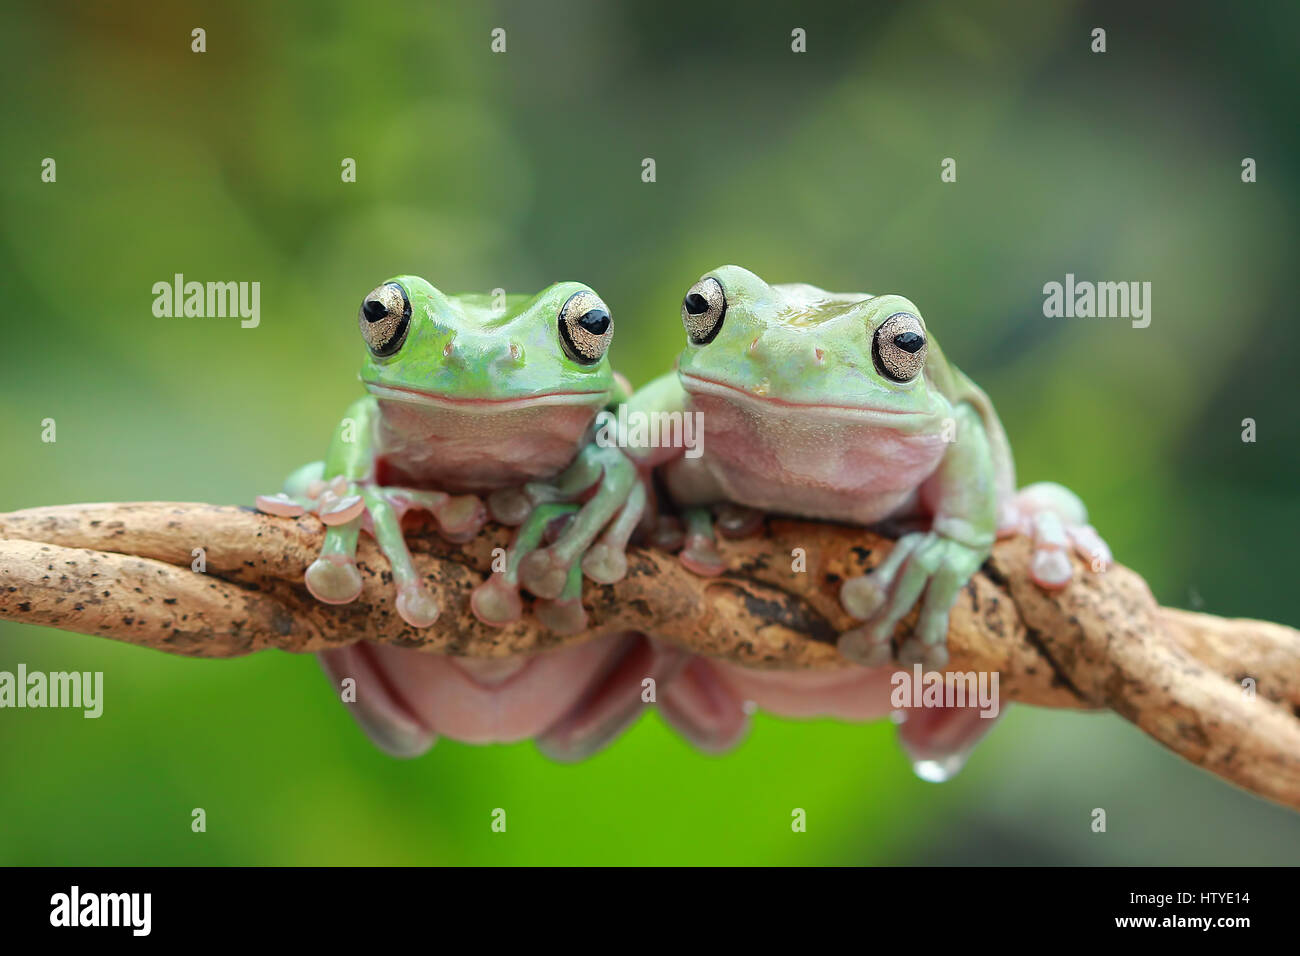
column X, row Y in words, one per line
column 1054, row 518
column 925, row 567
column 559, row 539
column 345, row 507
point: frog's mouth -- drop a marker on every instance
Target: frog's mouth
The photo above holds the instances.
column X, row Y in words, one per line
column 574, row 701
column 898, row 420
column 415, row 396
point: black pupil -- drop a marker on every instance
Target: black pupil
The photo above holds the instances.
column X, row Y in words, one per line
column 374, row 310
column 909, row 341
column 596, row 321
column 696, row 304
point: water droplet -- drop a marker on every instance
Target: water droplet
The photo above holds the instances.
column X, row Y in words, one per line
column 941, row 770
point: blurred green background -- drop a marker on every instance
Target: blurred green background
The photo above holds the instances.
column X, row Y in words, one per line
column 481, row 170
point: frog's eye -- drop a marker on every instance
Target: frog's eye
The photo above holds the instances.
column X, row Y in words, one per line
column 899, row 347
column 703, row 310
column 384, row 318
column 586, row 327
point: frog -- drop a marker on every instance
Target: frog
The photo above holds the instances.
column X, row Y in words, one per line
column 843, row 407
column 476, row 405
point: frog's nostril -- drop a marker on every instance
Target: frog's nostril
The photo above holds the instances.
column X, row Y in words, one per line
column 374, row 310
column 819, row 355
column 448, row 349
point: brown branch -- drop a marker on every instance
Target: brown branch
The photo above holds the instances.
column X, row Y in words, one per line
column 125, row 571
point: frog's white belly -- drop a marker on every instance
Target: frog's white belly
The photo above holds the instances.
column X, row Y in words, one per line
column 819, row 466
column 477, row 451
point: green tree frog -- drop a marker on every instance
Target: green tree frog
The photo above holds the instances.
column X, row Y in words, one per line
column 470, row 396
column 841, row 406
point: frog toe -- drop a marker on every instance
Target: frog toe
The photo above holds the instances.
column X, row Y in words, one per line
column 417, row 606
column 495, row 602
column 509, row 506
column 862, row 645
column 667, row 534
column 333, row 579
column 605, row 564
column 862, row 597
column 461, row 517
column 736, row 521
column 1050, row 568
column 280, row 505
column 1091, row 547
column 700, row 555
column 544, row 573
column 563, row 616
column 340, row 510
column 915, row 650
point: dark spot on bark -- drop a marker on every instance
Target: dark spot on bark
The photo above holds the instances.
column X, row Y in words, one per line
column 789, row 613
column 282, row 621
column 993, row 574
column 24, row 607
column 169, row 600
column 1059, row 677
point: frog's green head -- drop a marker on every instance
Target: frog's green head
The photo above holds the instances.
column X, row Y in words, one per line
column 425, row 347
column 797, row 345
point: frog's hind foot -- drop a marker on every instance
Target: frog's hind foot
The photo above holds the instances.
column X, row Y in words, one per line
column 1056, row 521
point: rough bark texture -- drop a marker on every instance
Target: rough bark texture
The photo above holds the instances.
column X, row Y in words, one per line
column 125, row 571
